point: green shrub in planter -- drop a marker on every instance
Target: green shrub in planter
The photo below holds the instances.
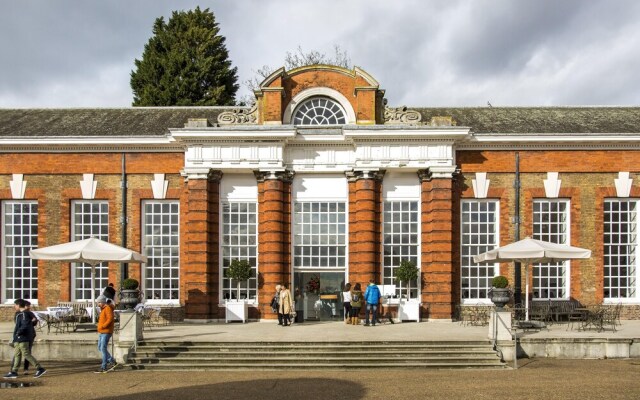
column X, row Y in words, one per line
column 239, row 270
column 130, row 284
column 407, row 272
column 500, row 282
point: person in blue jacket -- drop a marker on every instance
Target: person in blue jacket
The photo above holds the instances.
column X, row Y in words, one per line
column 372, row 297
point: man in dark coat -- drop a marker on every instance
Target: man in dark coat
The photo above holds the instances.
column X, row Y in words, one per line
column 110, row 293
column 23, row 335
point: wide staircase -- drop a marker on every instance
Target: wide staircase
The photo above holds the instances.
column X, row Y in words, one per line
column 160, row 355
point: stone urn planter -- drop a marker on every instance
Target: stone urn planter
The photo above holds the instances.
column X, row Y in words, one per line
column 129, row 295
column 499, row 292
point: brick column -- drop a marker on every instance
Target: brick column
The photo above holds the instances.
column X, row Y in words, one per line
column 437, row 244
column 273, row 235
column 200, row 270
column 364, row 226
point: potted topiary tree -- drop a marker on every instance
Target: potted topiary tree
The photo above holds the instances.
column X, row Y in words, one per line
column 500, row 292
column 239, row 271
column 408, row 309
column 130, row 294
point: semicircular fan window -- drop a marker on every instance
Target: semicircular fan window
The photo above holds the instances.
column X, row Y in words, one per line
column 319, row 111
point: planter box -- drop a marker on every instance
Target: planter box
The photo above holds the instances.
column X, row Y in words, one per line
column 409, row 310
column 236, row 310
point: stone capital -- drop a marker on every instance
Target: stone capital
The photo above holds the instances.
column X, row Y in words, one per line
column 281, row 175
column 356, row 175
column 211, row 175
column 425, row 175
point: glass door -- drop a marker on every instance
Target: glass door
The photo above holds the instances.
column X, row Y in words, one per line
column 318, row 295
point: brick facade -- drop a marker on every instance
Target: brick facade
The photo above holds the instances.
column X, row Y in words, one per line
column 193, row 159
column 364, row 226
column 199, row 269
column 437, row 246
column 273, row 237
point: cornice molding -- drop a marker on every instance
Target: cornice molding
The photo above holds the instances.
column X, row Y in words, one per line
column 548, row 146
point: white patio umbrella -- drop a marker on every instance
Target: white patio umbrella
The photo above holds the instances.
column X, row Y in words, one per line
column 92, row 251
column 529, row 251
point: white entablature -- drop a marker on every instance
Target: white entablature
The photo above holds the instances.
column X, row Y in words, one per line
column 320, row 149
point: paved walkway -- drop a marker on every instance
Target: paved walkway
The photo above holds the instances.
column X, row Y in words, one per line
column 335, row 331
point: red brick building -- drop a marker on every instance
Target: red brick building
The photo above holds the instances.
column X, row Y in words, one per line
column 320, row 183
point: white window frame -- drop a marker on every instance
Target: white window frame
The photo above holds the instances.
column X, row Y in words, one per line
column 546, row 237
column 34, row 266
column 401, row 289
column 147, row 251
column 478, row 248
column 310, row 233
column 244, row 287
column 101, row 268
column 320, row 188
column 633, row 244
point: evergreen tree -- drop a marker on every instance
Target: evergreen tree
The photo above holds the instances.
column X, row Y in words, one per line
column 185, row 63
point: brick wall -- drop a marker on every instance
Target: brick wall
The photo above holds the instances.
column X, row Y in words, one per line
column 273, row 238
column 364, row 227
column 54, row 181
column 437, row 247
column 587, row 179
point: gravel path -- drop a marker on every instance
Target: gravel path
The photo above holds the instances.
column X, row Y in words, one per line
column 536, row 379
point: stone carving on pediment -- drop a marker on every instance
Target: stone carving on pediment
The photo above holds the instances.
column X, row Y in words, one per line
column 239, row 116
column 401, row 115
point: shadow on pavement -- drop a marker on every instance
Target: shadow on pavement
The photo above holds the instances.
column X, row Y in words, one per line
column 263, row 389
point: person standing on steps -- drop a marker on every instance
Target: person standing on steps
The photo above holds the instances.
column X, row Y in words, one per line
column 23, row 335
column 106, row 323
column 356, row 304
column 372, row 297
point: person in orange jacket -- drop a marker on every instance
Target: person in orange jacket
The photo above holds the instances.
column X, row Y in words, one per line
column 106, row 322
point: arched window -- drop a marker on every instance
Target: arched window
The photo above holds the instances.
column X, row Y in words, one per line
column 319, row 111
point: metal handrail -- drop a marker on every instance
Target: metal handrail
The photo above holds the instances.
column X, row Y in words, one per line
column 514, row 334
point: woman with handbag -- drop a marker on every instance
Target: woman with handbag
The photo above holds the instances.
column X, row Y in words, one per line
column 286, row 305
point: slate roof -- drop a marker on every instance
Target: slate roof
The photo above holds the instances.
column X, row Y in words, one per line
column 156, row 121
column 541, row 119
column 138, row 121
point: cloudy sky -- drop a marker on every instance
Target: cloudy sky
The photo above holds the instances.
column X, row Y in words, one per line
column 79, row 53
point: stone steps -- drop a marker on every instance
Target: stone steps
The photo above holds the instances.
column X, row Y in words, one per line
column 159, row 355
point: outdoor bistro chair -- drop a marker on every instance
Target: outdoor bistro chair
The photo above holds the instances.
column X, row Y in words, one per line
column 577, row 314
column 42, row 321
column 540, row 311
column 609, row 317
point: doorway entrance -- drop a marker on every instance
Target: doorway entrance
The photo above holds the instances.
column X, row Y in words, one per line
column 318, row 295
